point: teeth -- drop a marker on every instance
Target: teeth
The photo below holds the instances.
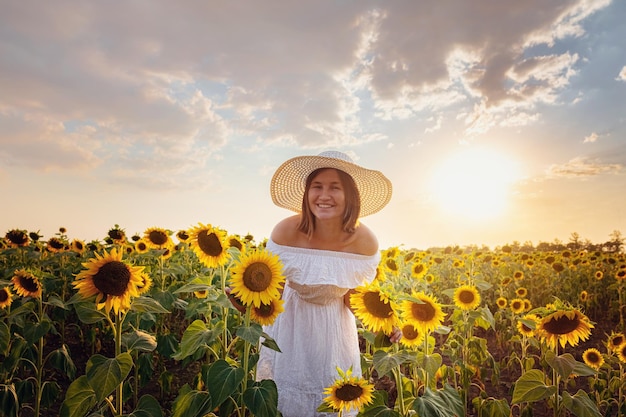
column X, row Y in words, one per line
column 324, row 205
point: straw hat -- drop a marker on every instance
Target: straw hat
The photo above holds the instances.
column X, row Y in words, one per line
column 288, row 182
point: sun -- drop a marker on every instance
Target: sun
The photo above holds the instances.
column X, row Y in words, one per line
column 474, row 183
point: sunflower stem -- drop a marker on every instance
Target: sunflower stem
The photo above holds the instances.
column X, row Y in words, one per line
column 118, row 351
column 397, row 373
column 556, row 382
column 245, row 359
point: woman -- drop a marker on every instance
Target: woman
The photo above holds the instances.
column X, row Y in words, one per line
column 326, row 253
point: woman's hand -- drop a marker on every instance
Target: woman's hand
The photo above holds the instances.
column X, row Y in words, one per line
column 234, row 300
column 396, row 335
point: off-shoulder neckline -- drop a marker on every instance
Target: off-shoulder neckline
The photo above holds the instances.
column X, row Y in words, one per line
column 327, row 252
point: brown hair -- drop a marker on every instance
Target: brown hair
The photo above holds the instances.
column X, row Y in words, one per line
column 353, row 204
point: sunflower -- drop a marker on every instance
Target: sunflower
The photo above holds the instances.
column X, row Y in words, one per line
column 117, row 234
column 78, row 246
column 418, row 270
column 501, row 302
column 527, row 324
column 621, row 352
column 380, row 274
column 26, row 284
column 391, row 265
column 235, row 242
column 527, row 304
column 563, row 326
column 620, row 275
column 111, row 280
column 598, row 275
column 593, row 358
column 429, row 278
column 584, row 296
column 374, row 308
column 518, row 275
column 209, row 244
column 348, row 392
column 201, row 293
column 257, row 278
column 411, row 335
column 157, row 238
column 506, row 281
column 425, row 313
column 182, row 236
column 521, row 292
column 265, row 314
column 17, row 238
column 614, row 340
column 146, row 283
column 6, row 298
column 141, row 246
column 558, row 267
column 55, row 245
column 517, row 305
column 466, row 297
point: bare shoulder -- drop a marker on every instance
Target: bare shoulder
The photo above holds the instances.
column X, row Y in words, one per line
column 365, row 240
column 286, row 231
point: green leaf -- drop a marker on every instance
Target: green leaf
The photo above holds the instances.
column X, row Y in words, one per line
column 5, row 338
column 35, row 331
column 222, row 380
column 9, row 403
column 139, row 341
column 62, row 360
column 147, row 406
column 88, row 314
column 429, row 363
column 384, row 361
column 580, row 405
column 494, row 408
column 261, row 398
column 530, row 388
column 145, row 304
column 446, row 402
column 79, row 398
column 564, row 364
column 193, row 404
column 269, row 342
column 251, row 334
column 106, row 374
column 196, row 336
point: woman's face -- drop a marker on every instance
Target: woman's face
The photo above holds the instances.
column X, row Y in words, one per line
column 326, row 195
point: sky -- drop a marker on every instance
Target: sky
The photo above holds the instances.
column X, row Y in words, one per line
column 497, row 122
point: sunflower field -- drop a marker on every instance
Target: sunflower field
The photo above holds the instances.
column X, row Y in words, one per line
column 169, row 323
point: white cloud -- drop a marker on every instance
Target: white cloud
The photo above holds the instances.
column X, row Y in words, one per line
column 622, row 74
column 582, row 167
column 591, row 138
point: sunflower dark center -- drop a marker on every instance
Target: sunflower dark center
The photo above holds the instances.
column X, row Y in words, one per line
column 349, row 392
column 17, row 237
column 265, row 310
column 561, row 325
column 257, row 276
column 29, row 283
column 418, row 268
column 112, row 278
column 391, row 264
column 423, row 312
column 56, row 243
column 466, row 297
column 617, row 340
column 593, row 357
column 157, row 237
column 375, row 306
column 210, row 243
column 116, row 234
column 4, row 295
column 409, row 332
column 142, row 246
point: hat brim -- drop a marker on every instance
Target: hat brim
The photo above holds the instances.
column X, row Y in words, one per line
column 288, row 183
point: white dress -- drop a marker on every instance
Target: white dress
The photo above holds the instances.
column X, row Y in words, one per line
column 316, row 333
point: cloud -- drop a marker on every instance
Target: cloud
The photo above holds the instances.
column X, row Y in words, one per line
column 582, row 167
column 593, row 137
column 93, row 85
column 622, row 74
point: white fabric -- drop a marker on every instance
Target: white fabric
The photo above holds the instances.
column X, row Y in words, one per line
column 316, row 333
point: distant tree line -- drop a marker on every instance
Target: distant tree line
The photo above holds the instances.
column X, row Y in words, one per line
column 615, row 244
